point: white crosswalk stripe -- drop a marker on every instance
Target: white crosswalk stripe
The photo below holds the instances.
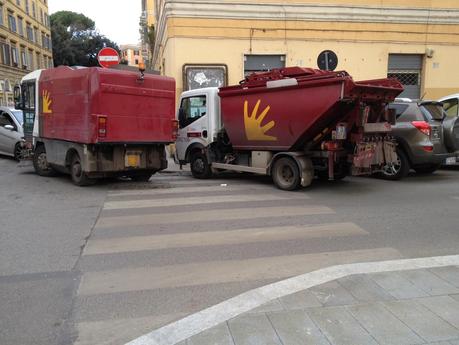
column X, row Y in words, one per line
column 228, row 244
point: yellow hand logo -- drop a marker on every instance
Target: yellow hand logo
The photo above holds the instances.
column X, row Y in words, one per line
column 253, row 129
column 47, row 103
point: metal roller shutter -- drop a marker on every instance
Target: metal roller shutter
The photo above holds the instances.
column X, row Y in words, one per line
column 407, row 68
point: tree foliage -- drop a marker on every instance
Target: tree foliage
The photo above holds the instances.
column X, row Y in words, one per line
column 76, row 41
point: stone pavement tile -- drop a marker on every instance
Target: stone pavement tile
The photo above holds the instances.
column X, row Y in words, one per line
column 456, row 297
column 397, row 286
column 422, row 321
column 332, row 294
column 449, row 274
column 300, row 300
column 429, row 282
column 295, row 327
column 444, row 306
column 218, row 335
column 274, row 305
column 383, row 325
column 454, row 342
column 253, row 329
column 440, row 343
column 364, row 288
column 340, row 327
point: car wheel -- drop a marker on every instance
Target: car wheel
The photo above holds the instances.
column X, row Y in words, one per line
column 200, row 167
column 427, row 169
column 286, row 174
column 40, row 163
column 398, row 170
column 79, row 177
column 17, row 151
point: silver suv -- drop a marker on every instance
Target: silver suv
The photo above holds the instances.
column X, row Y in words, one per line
column 421, row 138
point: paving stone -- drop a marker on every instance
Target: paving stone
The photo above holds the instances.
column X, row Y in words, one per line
column 253, row 329
column 397, row 286
column 218, row 335
column 440, row 343
column 300, row 300
column 422, row 321
column 445, row 307
column 333, row 294
column 383, row 325
column 295, row 327
column 449, row 274
column 456, row 297
column 429, row 282
column 364, row 289
column 274, row 305
column 340, row 327
column 454, row 342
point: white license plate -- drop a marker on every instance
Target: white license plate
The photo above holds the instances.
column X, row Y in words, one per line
column 450, row 160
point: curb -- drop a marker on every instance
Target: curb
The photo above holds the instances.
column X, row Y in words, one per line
column 185, row 328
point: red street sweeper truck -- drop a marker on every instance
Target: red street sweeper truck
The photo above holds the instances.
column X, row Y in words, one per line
column 94, row 122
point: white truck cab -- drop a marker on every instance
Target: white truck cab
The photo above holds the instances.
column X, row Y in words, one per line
column 199, row 122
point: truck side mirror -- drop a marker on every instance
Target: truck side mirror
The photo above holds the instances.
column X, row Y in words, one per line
column 18, row 104
column 181, row 117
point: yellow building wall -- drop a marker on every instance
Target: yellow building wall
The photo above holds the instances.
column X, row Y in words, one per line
column 363, row 48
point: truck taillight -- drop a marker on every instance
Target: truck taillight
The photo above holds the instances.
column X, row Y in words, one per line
column 102, row 126
column 422, row 126
column 175, row 128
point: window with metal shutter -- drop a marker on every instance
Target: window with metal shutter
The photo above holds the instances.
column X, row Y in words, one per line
column 407, row 68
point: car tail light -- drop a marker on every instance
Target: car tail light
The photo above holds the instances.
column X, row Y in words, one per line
column 428, row 148
column 175, row 128
column 102, row 126
column 422, row 126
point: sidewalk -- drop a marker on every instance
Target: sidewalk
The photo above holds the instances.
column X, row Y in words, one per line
column 406, row 307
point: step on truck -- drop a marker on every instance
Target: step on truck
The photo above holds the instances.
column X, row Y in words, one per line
column 93, row 123
column 293, row 124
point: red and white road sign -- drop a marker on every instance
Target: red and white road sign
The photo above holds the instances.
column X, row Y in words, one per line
column 108, row 57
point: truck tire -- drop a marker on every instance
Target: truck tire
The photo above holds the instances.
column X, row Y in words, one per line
column 40, row 163
column 79, row 177
column 397, row 171
column 286, row 174
column 200, row 167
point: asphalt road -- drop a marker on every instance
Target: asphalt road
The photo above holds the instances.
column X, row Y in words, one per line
column 105, row 264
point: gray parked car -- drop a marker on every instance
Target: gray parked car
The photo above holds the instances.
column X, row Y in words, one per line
column 451, row 124
column 421, row 136
column 11, row 133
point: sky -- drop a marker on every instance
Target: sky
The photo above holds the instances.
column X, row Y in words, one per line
column 120, row 23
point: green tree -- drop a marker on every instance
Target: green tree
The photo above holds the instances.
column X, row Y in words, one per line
column 76, row 41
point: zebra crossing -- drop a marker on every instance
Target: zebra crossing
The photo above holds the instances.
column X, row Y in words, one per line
column 157, row 254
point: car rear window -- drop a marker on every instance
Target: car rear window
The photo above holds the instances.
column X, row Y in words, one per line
column 399, row 108
column 433, row 111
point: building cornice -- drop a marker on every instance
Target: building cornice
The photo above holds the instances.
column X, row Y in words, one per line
column 225, row 9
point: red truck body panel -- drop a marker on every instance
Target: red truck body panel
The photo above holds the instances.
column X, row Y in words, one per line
column 73, row 100
column 281, row 109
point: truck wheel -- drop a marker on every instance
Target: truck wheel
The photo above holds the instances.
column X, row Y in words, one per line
column 40, row 163
column 398, row 170
column 79, row 177
column 286, row 174
column 200, row 167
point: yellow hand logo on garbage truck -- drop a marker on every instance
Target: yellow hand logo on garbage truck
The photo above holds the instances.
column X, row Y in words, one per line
column 47, row 102
column 253, row 128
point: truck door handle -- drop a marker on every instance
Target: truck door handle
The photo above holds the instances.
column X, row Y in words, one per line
column 204, row 133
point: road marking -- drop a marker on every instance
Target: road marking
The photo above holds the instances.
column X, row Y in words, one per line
column 215, row 272
column 213, row 238
column 190, row 189
column 187, row 200
column 211, row 215
column 196, row 323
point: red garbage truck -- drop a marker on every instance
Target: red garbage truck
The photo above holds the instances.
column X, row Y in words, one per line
column 292, row 124
column 95, row 122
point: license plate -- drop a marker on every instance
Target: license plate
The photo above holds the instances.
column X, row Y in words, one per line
column 450, row 160
column 132, row 160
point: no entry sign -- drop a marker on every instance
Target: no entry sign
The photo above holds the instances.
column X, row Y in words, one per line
column 108, row 57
